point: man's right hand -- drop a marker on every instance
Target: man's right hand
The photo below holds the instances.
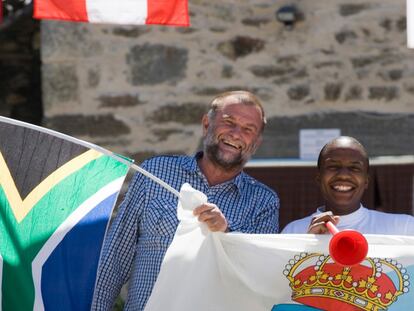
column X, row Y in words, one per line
column 211, row 215
column 318, row 223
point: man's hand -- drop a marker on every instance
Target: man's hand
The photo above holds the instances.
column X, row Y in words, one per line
column 318, row 223
column 211, row 215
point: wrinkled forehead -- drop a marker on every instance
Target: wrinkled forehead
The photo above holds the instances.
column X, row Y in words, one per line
column 237, row 104
column 240, row 110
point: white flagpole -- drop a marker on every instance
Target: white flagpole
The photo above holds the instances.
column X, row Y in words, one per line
column 156, row 179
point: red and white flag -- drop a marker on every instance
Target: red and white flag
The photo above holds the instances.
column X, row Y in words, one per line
column 132, row 12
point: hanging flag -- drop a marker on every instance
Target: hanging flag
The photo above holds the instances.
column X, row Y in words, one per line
column 56, row 197
column 244, row 272
column 1, row 11
column 133, row 12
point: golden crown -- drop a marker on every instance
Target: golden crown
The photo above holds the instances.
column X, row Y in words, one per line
column 319, row 282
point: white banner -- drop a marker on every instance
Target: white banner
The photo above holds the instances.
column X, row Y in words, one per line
column 207, row 271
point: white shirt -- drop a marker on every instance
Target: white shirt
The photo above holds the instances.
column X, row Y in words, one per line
column 363, row 220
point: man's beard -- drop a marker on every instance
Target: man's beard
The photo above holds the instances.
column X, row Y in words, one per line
column 212, row 149
column 213, row 152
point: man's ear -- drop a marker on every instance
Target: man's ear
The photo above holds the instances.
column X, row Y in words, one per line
column 205, row 123
column 259, row 140
column 257, row 143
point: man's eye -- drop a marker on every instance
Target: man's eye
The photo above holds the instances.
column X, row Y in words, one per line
column 355, row 168
column 332, row 167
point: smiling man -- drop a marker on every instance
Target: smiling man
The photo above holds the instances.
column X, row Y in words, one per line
column 343, row 176
column 147, row 219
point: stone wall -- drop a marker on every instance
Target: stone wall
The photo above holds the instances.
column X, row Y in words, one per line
column 142, row 90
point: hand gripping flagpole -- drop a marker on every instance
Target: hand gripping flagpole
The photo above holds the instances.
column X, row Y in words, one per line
column 347, row 247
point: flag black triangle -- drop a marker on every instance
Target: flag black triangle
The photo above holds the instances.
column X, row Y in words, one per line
column 31, row 156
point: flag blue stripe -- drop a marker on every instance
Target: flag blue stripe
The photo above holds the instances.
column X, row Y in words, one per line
column 68, row 276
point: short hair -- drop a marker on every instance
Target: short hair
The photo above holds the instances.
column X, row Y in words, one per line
column 352, row 140
column 243, row 97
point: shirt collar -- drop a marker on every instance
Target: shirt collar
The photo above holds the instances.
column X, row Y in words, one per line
column 190, row 164
column 348, row 220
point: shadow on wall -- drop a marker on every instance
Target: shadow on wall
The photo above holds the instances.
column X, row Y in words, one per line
column 20, row 70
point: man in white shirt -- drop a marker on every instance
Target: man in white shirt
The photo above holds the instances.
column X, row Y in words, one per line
column 343, row 177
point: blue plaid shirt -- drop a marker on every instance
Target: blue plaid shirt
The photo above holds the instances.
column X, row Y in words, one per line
column 146, row 223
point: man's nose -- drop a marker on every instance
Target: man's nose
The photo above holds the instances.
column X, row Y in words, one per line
column 236, row 131
column 343, row 171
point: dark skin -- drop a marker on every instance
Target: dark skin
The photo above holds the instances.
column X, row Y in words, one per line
column 343, row 177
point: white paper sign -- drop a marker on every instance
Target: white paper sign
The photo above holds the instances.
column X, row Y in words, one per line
column 312, row 140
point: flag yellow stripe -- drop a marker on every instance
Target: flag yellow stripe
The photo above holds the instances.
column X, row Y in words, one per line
column 22, row 207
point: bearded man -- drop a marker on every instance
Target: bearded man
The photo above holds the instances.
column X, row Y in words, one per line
column 147, row 219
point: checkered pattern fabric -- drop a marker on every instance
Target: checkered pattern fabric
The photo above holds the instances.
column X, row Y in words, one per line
column 146, row 223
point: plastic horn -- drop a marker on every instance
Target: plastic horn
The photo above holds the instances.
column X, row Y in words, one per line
column 347, row 247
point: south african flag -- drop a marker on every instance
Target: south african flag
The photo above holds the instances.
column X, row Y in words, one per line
column 56, row 197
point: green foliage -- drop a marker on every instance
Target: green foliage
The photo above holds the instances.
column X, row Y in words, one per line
column 119, row 304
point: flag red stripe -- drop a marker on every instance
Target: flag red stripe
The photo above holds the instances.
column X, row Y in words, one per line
column 171, row 12
column 1, row 11
column 61, row 9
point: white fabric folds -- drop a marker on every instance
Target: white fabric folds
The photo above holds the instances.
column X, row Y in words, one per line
column 208, row 271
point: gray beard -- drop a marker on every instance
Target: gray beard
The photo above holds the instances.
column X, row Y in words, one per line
column 213, row 153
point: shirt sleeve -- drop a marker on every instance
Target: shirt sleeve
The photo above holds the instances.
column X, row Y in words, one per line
column 299, row 226
column 409, row 226
column 266, row 220
column 119, row 247
column 288, row 229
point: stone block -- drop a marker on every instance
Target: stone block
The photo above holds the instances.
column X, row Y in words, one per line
column 60, row 84
column 345, row 35
column 155, row 64
column 91, row 126
column 333, row 91
column 386, row 93
column 116, row 101
column 298, row 92
column 240, row 46
column 271, row 71
column 69, row 40
column 187, row 113
column 163, row 134
column 130, row 31
column 354, row 93
column 255, row 21
column 352, row 9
